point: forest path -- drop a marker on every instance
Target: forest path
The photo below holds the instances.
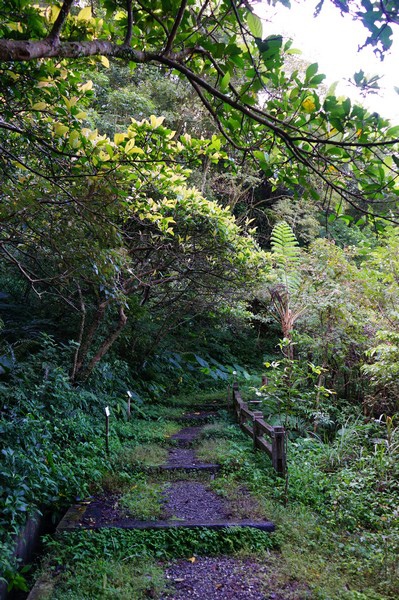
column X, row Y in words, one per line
column 194, row 495
column 186, row 501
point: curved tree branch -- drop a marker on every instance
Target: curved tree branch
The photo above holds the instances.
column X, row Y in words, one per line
column 54, row 34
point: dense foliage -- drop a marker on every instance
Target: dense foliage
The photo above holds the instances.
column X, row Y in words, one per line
column 180, row 203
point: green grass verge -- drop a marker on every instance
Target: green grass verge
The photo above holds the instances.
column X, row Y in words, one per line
column 143, row 500
column 115, row 563
column 336, row 529
column 105, row 579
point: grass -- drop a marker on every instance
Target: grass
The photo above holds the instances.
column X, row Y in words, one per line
column 164, row 413
column 320, row 538
column 145, row 455
column 196, row 399
column 242, row 505
column 86, row 565
column 109, row 579
column 134, row 433
column 312, row 534
column 220, row 430
column 231, row 454
column 334, row 562
column 143, row 500
column 113, row 482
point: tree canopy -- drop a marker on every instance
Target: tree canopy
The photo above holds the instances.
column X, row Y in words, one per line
column 298, row 133
column 110, row 220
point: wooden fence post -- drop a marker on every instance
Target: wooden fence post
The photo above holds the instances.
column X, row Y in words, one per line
column 257, row 414
column 228, row 397
column 252, row 422
column 278, row 449
column 234, row 399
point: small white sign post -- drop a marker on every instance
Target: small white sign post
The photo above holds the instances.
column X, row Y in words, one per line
column 129, row 399
column 107, row 414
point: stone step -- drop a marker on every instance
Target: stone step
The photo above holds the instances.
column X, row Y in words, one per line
column 204, row 468
column 71, row 522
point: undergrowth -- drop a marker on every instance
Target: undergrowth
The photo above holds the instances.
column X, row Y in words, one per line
column 337, row 522
column 143, row 500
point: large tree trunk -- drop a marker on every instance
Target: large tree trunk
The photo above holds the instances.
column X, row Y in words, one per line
column 85, row 372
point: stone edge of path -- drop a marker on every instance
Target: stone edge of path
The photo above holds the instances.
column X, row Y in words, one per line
column 71, row 521
column 207, row 468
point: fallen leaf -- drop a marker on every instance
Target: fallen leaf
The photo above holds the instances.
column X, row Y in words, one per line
column 192, row 559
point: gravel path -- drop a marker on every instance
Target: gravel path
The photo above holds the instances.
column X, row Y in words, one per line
column 187, row 435
column 191, row 501
column 183, row 456
column 227, row 578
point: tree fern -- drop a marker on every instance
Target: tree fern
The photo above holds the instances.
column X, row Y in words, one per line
column 286, row 253
column 284, row 242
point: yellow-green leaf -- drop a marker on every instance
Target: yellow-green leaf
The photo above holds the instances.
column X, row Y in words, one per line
column 225, row 81
column 129, row 146
column 69, row 102
column 60, row 129
column 136, row 150
column 14, row 76
column 104, row 61
column 84, row 14
column 86, row 86
column 74, row 139
column 120, row 137
column 156, row 121
column 39, row 106
column 254, row 25
column 309, row 104
column 104, row 156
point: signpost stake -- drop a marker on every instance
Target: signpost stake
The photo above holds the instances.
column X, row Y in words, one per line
column 107, row 413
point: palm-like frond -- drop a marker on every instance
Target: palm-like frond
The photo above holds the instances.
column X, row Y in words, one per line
column 286, row 255
column 284, row 243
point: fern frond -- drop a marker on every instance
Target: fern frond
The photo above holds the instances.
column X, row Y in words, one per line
column 284, row 243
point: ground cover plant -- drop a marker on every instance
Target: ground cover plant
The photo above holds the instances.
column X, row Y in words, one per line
column 136, row 557
column 143, row 500
column 337, row 532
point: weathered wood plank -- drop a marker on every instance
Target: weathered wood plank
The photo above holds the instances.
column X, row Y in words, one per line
column 253, row 423
column 131, row 524
column 247, row 413
column 262, row 444
column 247, row 429
column 265, row 427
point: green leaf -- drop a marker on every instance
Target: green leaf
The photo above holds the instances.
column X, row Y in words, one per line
column 254, row 25
column 225, row 81
column 393, row 132
column 346, row 105
column 395, row 160
column 311, row 71
column 317, row 79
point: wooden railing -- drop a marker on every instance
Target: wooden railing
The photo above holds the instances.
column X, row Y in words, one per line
column 269, row 438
